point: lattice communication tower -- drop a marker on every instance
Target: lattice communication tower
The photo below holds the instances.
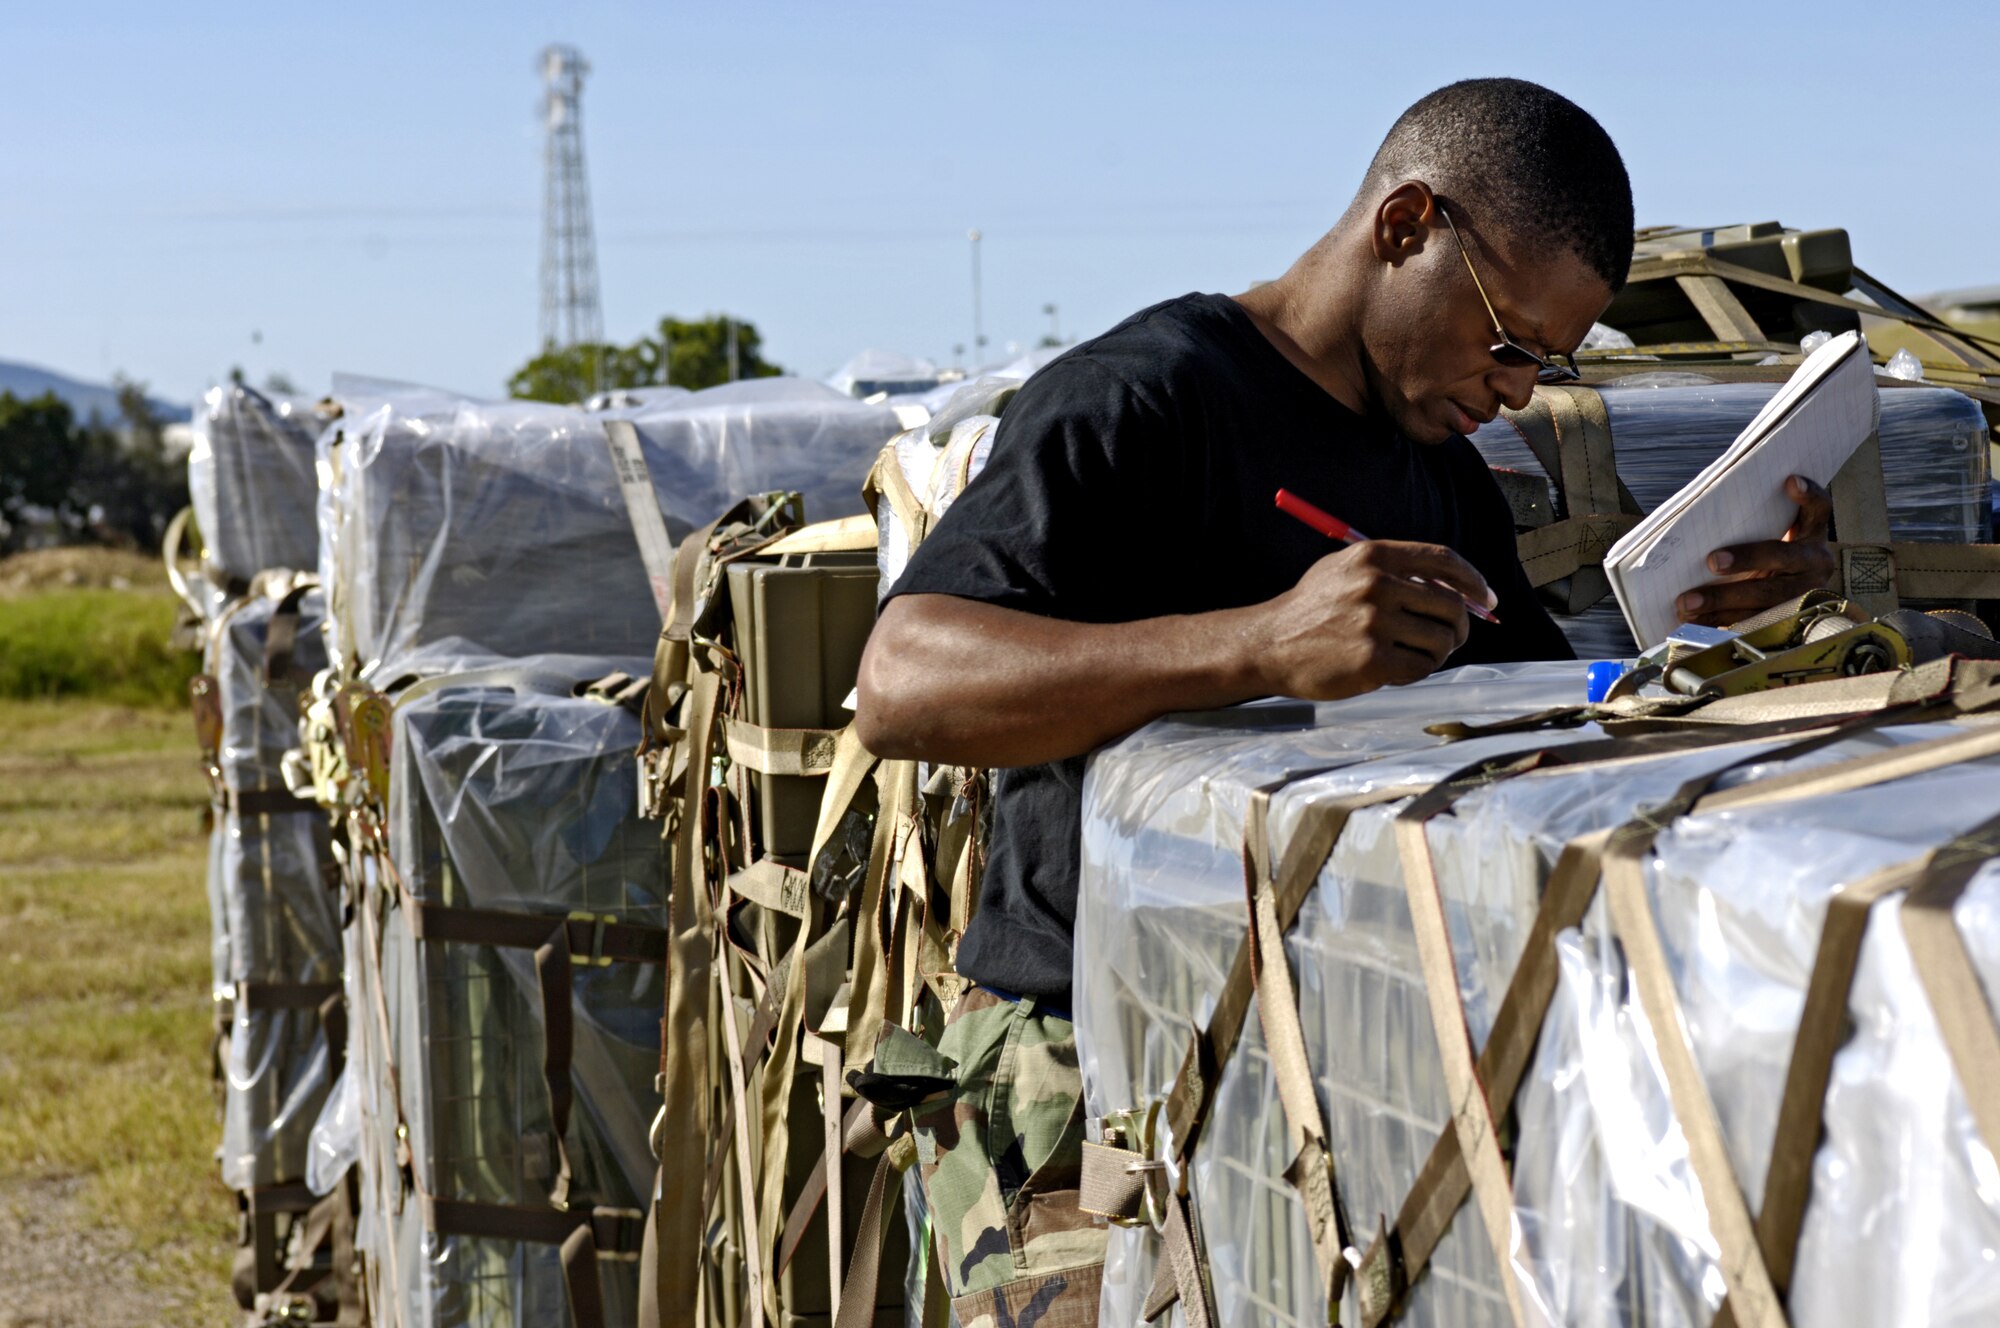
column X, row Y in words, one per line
column 571, row 315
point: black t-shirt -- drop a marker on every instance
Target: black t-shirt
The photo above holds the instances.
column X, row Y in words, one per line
column 1133, row 478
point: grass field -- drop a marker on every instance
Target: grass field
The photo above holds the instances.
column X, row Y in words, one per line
column 110, row 1207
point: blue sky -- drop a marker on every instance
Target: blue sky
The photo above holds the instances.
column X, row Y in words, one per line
column 195, row 186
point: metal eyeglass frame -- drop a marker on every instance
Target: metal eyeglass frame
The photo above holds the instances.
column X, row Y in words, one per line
column 1546, row 370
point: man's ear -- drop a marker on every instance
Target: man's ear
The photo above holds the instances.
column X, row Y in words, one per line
column 1403, row 222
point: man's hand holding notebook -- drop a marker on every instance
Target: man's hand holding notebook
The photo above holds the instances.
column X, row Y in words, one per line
column 1748, row 495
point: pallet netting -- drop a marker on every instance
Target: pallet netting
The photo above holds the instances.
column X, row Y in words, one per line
column 512, row 828
column 251, row 476
column 1608, row 1220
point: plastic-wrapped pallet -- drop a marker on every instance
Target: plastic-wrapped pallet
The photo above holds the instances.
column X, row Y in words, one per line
column 453, row 527
column 708, row 449
column 923, row 470
column 1608, row 1223
column 1666, row 427
column 507, row 975
column 251, row 475
column 276, row 931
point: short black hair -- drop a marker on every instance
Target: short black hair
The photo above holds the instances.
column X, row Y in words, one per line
column 1519, row 157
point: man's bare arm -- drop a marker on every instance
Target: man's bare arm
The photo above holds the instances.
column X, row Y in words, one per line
column 967, row 683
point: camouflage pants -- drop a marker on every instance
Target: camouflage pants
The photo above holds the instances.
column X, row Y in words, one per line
column 1001, row 1161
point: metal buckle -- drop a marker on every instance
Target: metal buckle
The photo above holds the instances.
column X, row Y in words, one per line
column 596, row 958
column 1136, row 1129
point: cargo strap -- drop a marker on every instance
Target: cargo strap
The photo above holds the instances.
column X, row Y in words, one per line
column 1920, row 570
column 684, row 1130
column 1822, row 1029
column 1396, row 1259
column 779, row 751
column 1569, row 432
column 281, row 637
column 284, row 995
column 1754, row 1299
column 329, row 1224
column 1702, row 264
column 268, row 802
column 642, row 506
column 1311, row 1170
column 558, row 945
column 583, row 1236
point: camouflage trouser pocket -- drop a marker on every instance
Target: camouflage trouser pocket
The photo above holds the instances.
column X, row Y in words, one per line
column 1001, row 1161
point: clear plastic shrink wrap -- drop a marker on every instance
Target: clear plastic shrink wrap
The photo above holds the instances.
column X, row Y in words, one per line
column 250, row 474
column 276, row 929
column 1609, row 1225
column 453, row 528
column 710, row 448
column 508, row 795
column 1934, row 463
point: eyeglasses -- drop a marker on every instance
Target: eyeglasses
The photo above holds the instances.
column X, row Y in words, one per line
column 1507, row 350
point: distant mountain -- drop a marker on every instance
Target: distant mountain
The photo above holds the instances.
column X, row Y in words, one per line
column 86, row 399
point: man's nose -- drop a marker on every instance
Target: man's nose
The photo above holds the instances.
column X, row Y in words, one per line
column 1514, row 387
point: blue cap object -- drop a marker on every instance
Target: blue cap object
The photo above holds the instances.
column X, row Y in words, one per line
column 1598, row 680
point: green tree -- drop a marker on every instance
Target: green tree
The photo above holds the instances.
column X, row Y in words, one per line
column 126, row 486
column 682, row 353
column 38, row 462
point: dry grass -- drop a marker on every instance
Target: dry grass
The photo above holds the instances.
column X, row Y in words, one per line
column 81, row 567
column 104, row 1014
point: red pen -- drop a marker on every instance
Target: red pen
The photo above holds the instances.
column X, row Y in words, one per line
column 1334, row 528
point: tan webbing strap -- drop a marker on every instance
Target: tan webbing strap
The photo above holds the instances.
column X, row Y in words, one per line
column 1753, row 1299
column 1187, row 1268
column 1193, row 1090
column 281, row 637
column 1311, row 1170
column 771, row 884
column 614, row 1231
column 684, row 1132
column 746, row 1172
column 1923, row 570
column 895, row 825
column 1113, row 1182
column 284, row 995
column 269, row 802
column 858, row 1294
column 780, row 751
column 1647, row 269
column 642, row 506
column 579, row 1270
column 553, row 962
column 1823, row 1027
column 1957, row 996
column 1473, row 1116
column 1861, row 519
column 831, row 1080
column 1719, row 308
column 1563, row 547
column 887, row 481
column 860, row 1135
column 1399, row 1255
column 1569, row 432
column 1211, row 1047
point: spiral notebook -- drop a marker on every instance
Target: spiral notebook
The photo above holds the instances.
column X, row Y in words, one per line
column 1824, row 411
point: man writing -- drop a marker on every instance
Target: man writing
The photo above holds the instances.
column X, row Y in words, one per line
column 1120, row 558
